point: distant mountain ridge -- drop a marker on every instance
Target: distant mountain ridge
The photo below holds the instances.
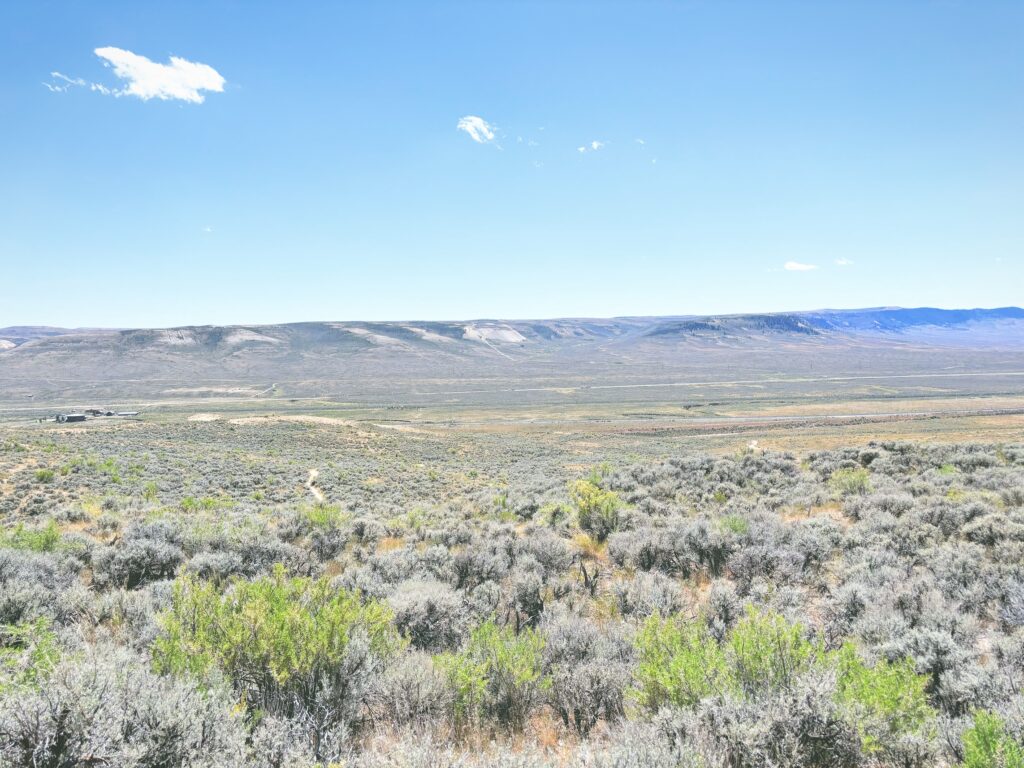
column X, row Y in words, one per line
column 878, row 320
column 19, row 334
column 898, row 318
column 881, row 319
column 357, row 356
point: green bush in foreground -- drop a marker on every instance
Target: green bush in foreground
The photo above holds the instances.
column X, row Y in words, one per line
column 499, row 674
column 766, row 653
column 27, row 654
column 289, row 646
column 888, row 699
column 681, row 664
column 988, row 745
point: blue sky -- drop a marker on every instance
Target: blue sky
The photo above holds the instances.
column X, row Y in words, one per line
column 323, row 175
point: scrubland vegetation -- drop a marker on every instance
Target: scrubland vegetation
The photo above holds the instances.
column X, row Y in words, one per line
column 162, row 605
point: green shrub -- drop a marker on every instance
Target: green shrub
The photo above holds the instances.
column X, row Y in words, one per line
column 554, row 514
column 43, row 539
column 888, row 699
column 734, row 524
column 851, row 482
column 278, row 640
column 597, row 509
column 467, row 678
column 27, row 653
column 679, row 663
column 44, row 475
column 499, row 674
column 765, row 652
column 325, row 516
column 988, row 745
column 206, row 503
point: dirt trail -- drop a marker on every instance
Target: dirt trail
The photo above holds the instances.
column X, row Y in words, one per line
column 311, row 486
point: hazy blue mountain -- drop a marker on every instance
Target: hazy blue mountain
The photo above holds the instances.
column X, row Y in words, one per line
column 357, row 357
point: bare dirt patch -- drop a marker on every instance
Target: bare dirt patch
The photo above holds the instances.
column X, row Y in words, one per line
column 311, row 485
column 204, row 417
column 211, row 391
column 294, row 417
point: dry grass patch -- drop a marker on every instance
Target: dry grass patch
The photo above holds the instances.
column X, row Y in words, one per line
column 390, row 544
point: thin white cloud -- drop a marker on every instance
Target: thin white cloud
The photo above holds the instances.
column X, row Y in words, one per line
column 641, row 142
column 796, row 266
column 844, row 263
column 63, row 84
column 479, row 130
column 180, row 80
column 591, row 147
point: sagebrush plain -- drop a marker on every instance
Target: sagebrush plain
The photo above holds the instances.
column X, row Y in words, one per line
column 604, row 567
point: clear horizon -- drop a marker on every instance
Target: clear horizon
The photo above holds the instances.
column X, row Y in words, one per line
column 194, row 164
